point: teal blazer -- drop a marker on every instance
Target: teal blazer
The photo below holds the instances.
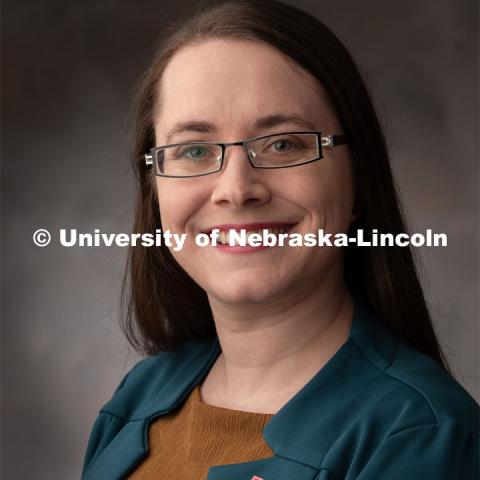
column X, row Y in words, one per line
column 377, row 410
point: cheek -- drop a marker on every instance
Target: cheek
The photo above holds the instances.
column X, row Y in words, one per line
column 328, row 195
column 177, row 201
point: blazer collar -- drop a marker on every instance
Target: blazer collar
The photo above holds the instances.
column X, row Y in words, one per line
column 307, row 425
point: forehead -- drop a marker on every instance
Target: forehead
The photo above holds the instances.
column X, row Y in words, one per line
column 235, row 80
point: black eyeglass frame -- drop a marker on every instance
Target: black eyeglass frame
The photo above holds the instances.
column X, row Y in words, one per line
column 326, row 141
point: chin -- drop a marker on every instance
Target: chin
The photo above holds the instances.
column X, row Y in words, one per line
column 241, row 296
column 247, row 290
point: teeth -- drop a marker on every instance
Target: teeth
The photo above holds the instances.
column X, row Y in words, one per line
column 224, row 236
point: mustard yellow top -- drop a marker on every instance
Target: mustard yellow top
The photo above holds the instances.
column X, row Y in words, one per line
column 186, row 442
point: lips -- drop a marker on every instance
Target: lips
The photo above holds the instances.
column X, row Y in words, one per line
column 250, row 227
column 274, row 228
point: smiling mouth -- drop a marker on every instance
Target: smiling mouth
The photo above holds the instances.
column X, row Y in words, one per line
column 228, row 234
column 229, row 238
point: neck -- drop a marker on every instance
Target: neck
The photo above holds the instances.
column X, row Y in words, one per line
column 270, row 352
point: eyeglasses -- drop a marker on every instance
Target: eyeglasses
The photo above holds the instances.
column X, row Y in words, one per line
column 281, row 150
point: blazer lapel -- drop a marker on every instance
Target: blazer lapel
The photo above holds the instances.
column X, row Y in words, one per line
column 121, row 455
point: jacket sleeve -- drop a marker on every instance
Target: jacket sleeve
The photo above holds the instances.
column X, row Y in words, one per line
column 443, row 451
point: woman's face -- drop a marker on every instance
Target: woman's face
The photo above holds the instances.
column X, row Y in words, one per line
column 245, row 89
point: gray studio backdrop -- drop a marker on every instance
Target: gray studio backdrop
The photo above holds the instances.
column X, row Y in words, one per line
column 69, row 70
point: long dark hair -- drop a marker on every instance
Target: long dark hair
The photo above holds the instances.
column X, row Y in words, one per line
column 164, row 305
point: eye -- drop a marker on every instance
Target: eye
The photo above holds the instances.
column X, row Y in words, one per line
column 285, row 145
column 282, row 145
column 194, row 152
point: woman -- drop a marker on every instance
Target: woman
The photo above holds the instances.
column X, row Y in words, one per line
column 279, row 362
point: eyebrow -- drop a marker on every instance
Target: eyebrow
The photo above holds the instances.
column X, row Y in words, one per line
column 263, row 123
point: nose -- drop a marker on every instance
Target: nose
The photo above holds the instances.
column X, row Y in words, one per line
column 239, row 184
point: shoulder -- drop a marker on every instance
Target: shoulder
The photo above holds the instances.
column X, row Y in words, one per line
column 412, row 390
column 157, row 382
column 436, row 388
column 397, row 414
